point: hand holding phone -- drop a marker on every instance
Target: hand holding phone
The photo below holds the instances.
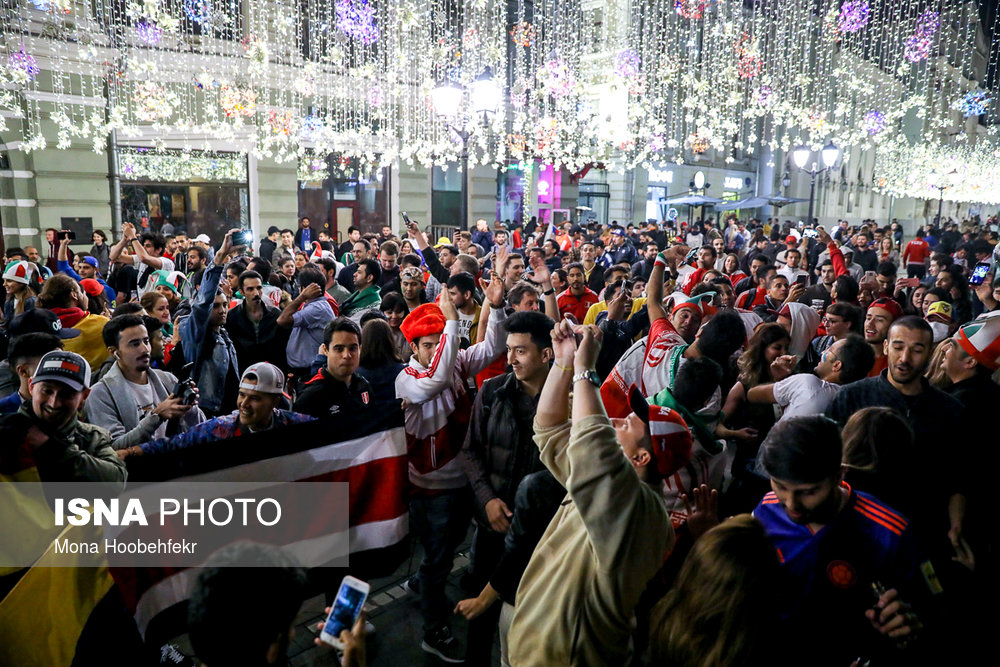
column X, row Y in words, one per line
column 346, row 610
column 979, row 273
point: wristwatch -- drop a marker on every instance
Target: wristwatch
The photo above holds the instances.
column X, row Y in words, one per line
column 590, row 375
column 551, row 290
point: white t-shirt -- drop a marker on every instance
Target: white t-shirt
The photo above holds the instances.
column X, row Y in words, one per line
column 465, row 323
column 804, row 394
column 146, row 400
column 792, row 274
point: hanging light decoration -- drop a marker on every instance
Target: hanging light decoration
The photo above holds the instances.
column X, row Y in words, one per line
column 199, row 11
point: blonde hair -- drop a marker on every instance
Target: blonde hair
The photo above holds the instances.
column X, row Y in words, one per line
column 935, row 373
column 722, row 601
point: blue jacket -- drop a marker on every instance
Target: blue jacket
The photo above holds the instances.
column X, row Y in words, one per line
column 209, row 372
column 220, row 428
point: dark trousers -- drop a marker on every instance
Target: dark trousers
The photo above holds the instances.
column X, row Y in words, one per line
column 487, row 549
column 915, row 270
column 439, row 521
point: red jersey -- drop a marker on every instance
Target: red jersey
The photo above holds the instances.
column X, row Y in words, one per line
column 577, row 307
column 916, row 252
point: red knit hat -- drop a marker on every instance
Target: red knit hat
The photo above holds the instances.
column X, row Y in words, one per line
column 91, row 286
column 424, row 320
column 890, row 306
column 670, row 437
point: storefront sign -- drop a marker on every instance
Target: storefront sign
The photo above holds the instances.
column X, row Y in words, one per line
column 661, row 176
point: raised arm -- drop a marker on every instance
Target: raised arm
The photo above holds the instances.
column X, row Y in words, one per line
column 418, row 387
column 128, row 233
column 63, row 261
column 544, row 278
column 481, row 355
column 654, row 289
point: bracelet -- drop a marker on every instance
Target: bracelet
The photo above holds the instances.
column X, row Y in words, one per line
column 564, row 369
column 503, row 304
column 551, row 290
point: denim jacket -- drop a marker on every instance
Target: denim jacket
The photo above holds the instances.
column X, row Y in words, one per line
column 209, row 372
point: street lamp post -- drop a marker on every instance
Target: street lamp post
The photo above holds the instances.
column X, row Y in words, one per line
column 942, row 183
column 829, row 155
column 447, row 99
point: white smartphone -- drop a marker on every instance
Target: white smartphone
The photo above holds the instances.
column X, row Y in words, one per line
column 346, row 609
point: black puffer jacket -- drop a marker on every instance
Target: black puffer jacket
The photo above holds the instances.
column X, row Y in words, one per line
column 499, row 450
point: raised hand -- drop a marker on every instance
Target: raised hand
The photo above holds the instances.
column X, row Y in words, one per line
column 564, row 343
column 590, row 346
column 704, row 515
column 494, row 290
column 447, row 306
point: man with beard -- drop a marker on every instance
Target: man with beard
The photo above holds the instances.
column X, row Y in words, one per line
column 133, row 401
column 253, row 325
column 578, row 298
column 834, row 543
column 935, row 417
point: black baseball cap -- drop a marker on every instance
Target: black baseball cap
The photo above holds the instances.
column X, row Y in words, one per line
column 40, row 320
column 61, row 366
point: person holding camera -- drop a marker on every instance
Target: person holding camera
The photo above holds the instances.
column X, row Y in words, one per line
column 134, row 402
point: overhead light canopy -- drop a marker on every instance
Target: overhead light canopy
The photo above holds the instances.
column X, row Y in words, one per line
column 446, row 97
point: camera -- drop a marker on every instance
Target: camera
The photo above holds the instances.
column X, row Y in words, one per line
column 185, row 391
column 66, row 234
column 242, row 237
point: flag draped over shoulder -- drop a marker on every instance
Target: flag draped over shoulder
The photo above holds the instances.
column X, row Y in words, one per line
column 42, row 617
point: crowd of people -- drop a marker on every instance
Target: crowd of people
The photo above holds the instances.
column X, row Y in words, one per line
column 705, row 444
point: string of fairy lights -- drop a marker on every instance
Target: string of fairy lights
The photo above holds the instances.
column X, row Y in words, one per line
column 622, row 84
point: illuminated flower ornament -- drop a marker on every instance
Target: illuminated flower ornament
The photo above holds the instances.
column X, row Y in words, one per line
column 523, row 34
column 853, row 15
column 974, row 103
column 698, row 144
column 149, row 33
column 917, row 48
column 749, row 66
column 376, row 96
column 764, row 95
column 918, row 45
column 199, row 11
column 690, row 9
column 23, row 63
column 873, row 122
column 557, row 77
column 356, row 18
column 627, row 63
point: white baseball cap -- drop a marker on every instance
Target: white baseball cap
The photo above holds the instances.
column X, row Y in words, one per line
column 203, row 238
column 263, row 377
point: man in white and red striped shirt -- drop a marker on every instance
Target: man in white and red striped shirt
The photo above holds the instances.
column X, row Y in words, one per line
column 438, row 409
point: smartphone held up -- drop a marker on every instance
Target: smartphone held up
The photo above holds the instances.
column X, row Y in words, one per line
column 346, row 609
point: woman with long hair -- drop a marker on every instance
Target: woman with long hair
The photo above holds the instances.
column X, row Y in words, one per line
column 731, row 268
column 748, row 423
column 380, row 364
column 723, row 605
column 101, row 252
column 878, row 455
column 157, row 306
column 19, row 281
column 887, row 251
column 913, row 303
